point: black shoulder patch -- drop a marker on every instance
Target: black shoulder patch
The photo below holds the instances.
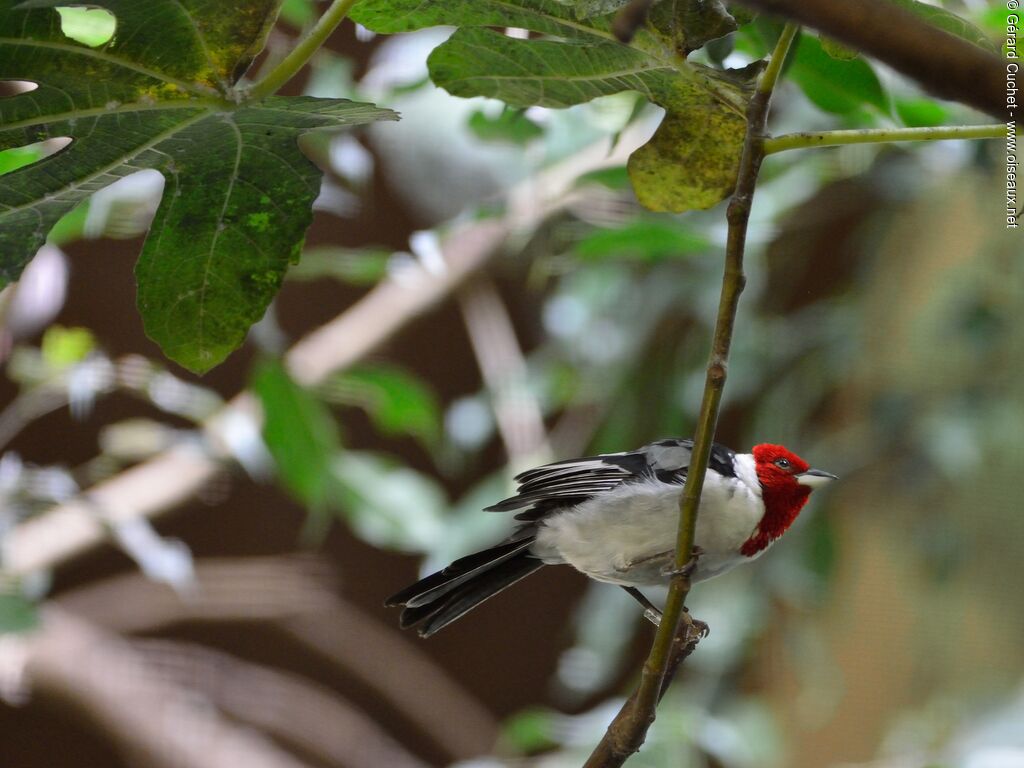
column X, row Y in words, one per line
column 722, row 460
column 634, row 462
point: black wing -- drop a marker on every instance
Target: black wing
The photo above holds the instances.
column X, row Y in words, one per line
column 567, row 483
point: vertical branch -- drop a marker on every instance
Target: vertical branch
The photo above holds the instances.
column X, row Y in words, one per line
column 672, row 642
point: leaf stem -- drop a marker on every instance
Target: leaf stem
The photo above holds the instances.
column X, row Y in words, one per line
column 303, row 51
column 674, row 639
column 882, row 136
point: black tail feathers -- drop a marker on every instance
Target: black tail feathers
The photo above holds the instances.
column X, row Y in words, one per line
column 443, row 597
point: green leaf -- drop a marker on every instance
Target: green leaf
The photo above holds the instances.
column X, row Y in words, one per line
column 642, row 240
column 510, row 126
column 388, row 505
column 544, row 16
column 300, row 433
column 685, row 165
column 836, row 49
column 835, row 86
column 298, row 12
column 70, row 227
column 690, row 24
column 349, row 265
column 692, row 159
column 530, row 730
column 90, row 26
column 161, row 94
column 587, row 8
column 921, row 113
column 397, row 401
column 615, row 177
column 17, row 614
column 949, row 22
column 19, row 157
column 548, row 73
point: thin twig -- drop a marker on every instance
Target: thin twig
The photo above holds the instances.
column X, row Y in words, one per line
column 944, row 64
column 627, row 731
column 303, row 51
column 881, row 136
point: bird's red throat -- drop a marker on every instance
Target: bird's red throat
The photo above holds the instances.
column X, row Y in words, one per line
column 783, row 500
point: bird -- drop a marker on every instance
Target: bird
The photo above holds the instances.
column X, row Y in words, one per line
column 614, row 517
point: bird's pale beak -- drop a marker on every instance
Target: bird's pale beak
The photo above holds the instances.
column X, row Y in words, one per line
column 815, row 478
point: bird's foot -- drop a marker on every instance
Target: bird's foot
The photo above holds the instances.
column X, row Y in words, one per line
column 688, row 569
column 700, row 628
column 703, row 630
column 651, row 612
column 653, row 615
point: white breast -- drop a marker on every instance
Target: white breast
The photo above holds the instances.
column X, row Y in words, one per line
column 627, row 535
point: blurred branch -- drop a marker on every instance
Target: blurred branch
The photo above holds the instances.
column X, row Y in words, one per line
column 79, row 385
column 630, row 18
column 171, row 478
column 26, row 408
column 673, row 640
column 493, row 338
column 944, row 64
column 154, row 723
column 293, row 595
column 305, row 716
column 881, row 136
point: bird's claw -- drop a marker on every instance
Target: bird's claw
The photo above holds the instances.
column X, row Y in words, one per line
column 701, row 627
column 697, row 630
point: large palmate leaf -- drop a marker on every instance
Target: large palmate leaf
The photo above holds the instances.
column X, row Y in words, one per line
column 161, row 94
column 689, row 163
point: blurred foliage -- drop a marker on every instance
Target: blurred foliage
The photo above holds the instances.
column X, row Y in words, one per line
column 300, row 434
column 396, row 401
column 511, row 125
column 835, row 85
column 17, row 614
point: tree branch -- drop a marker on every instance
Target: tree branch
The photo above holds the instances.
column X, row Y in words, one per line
column 628, row 730
column 293, row 594
column 305, row 716
column 503, row 368
column 944, row 64
column 881, row 136
column 154, row 723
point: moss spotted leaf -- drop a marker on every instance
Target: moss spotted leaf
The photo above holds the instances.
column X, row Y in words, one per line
column 578, row 59
column 161, row 94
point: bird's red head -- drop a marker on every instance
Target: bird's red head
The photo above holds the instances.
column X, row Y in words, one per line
column 785, row 486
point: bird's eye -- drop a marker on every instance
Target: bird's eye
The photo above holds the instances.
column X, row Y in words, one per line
column 782, row 463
